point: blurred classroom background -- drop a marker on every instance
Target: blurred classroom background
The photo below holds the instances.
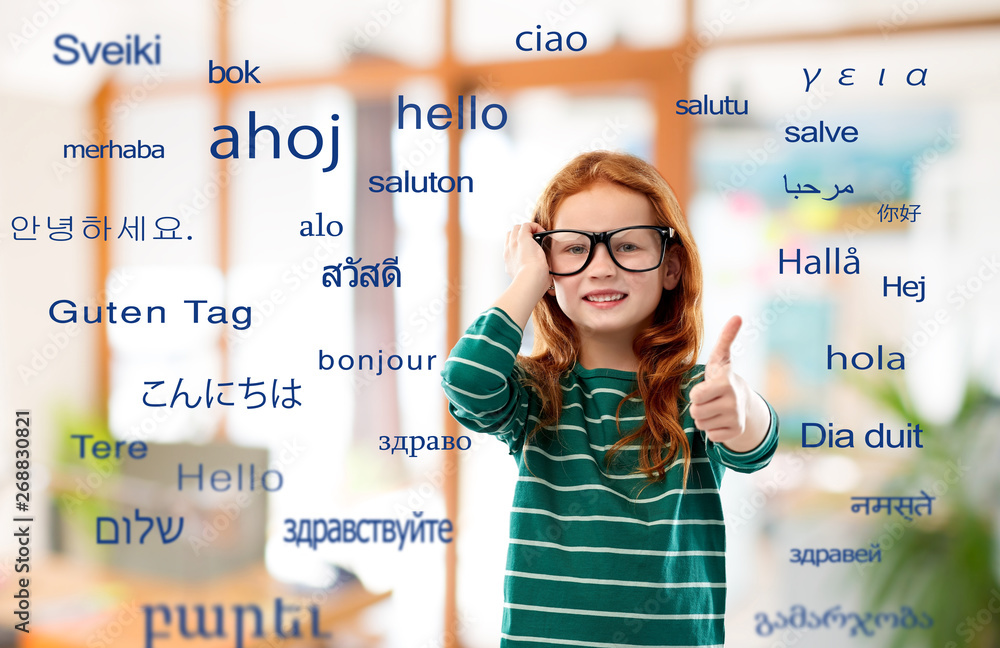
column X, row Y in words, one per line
column 932, row 145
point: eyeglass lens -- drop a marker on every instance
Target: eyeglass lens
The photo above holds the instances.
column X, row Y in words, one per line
column 635, row 249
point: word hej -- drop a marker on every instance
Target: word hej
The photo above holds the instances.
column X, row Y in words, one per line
column 799, row 617
column 65, row 311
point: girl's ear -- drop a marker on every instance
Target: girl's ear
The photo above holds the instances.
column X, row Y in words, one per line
column 672, row 265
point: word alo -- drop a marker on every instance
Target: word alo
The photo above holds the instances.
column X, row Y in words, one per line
column 209, row 622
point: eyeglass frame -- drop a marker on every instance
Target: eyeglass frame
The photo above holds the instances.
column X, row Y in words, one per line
column 667, row 234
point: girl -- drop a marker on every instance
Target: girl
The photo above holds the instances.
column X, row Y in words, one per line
column 616, row 531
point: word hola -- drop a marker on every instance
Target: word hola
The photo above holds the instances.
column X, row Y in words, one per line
column 879, row 437
column 904, row 289
column 221, row 480
column 133, row 52
column 438, row 112
column 866, row 360
column 164, row 533
column 285, row 624
column 815, row 265
column 328, row 230
column 845, row 77
column 234, row 141
column 821, row 133
column 554, row 42
column 706, row 106
column 243, row 74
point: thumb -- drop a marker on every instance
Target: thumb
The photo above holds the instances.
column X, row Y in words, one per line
column 720, row 355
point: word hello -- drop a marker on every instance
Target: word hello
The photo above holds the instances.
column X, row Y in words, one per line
column 875, row 437
column 133, row 52
column 221, row 480
column 439, row 112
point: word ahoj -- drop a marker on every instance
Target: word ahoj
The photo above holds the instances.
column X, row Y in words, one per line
column 317, row 141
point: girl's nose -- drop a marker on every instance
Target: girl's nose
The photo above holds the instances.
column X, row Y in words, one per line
column 602, row 265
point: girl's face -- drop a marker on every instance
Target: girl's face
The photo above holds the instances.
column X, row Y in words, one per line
column 605, row 300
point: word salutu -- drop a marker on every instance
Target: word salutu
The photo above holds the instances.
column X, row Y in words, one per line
column 368, row 275
column 875, row 437
column 819, row 556
column 706, row 106
column 449, row 443
column 799, row 617
column 813, row 190
column 904, row 505
column 319, row 530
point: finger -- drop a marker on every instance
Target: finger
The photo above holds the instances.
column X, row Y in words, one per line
column 707, row 391
column 721, row 353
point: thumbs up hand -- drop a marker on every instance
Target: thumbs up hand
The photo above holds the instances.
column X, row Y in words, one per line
column 723, row 405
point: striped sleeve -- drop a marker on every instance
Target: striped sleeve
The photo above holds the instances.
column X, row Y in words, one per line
column 482, row 381
column 754, row 460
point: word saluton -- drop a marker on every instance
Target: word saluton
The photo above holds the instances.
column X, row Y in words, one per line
column 815, row 265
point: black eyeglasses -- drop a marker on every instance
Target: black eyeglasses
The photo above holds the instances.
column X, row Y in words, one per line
column 636, row 249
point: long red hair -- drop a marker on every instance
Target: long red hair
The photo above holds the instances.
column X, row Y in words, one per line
column 666, row 351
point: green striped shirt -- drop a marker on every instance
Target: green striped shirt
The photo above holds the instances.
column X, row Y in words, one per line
column 598, row 556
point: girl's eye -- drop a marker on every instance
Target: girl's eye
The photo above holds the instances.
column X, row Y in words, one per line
column 628, row 247
column 577, row 249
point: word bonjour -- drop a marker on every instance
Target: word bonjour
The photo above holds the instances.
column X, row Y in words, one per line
column 307, row 531
column 328, row 362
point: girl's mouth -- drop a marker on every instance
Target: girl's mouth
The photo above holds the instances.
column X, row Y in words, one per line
column 601, row 298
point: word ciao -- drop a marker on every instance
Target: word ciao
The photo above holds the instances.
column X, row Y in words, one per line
column 450, row 443
column 285, row 624
column 817, row 557
column 132, row 52
column 164, row 532
column 320, row 530
column 845, row 77
column 554, row 41
column 875, row 437
column 799, row 617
